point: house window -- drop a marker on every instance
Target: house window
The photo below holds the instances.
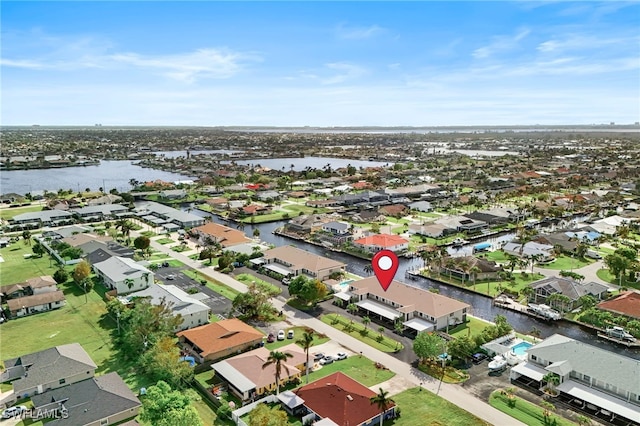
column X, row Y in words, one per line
column 62, row 381
column 586, row 378
column 104, row 422
column 534, row 358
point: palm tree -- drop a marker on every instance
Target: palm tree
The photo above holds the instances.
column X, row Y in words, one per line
column 365, row 321
column 277, row 359
column 367, row 269
column 552, row 380
column 26, row 236
column 306, row 341
column 382, row 401
column 548, row 409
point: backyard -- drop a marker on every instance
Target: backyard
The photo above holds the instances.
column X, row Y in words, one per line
column 16, row 268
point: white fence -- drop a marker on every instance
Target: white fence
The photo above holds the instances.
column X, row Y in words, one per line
column 270, row 399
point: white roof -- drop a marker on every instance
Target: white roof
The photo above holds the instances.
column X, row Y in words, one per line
column 278, row 269
column 343, row 295
column 600, row 399
column 419, row 324
column 530, row 370
column 379, row 309
column 233, row 376
column 290, row 399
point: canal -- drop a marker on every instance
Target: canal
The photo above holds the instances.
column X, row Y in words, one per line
column 482, row 307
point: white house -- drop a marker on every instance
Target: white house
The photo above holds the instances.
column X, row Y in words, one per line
column 123, row 274
column 193, row 311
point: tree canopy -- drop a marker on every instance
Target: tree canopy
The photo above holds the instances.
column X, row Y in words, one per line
column 427, row 346
column 163, row 406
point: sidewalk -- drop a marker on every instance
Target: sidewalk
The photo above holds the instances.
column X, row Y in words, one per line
column 452, row 393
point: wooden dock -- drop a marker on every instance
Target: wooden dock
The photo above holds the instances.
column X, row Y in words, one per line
column 626, row 343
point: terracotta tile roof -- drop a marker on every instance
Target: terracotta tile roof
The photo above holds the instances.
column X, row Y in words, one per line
column 218, row 336
column 340, row 398
column 223, row 234
column 42, row 281
column 381, row 240
column 410, row 298
column 627, row 303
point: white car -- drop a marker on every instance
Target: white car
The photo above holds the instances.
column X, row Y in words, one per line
column 13, row 411
column 328, row 359
column 341, row 355
column 281, row 335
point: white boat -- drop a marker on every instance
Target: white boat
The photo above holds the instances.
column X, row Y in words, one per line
column 544, row 311
column 618, row 332
column 498, row 363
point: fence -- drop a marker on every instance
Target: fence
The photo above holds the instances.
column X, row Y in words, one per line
column 270, row 399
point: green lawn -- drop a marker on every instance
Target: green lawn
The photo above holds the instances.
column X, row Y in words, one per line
column 164, row 241
column 358, row 368
column 497, row 256
column 472, row 327
column 214, row 285
column 16, row 268
column 525, row 411
column 386, row 345
column 9, row 212
column 424, row 408
column 249, row 279
column 607, row 276
column 489, row 287
column 566, row 263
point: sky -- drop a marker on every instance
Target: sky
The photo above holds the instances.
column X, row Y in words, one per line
column 260, row 63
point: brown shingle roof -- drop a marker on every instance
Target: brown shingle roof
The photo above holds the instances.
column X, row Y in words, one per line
column 218, row 336
column 301, row 259
column 627, row 303
column 35, row 300
column 410, row 298
column 250, row 364
column 340, row 398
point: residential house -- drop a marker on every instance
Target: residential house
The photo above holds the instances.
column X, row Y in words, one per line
column 101, row 212
column 431, row 230
column 462, row 224
column 290, row 261
column 470, row 268
column 626, row 303
column 268, row 195
column 394, row 210
column 105, row 199
column 97, row 401
column 35, row 285
column 160, row 215
column 422, row 206
column 335, row 233
column 413, row 191
column 254, row 209
column 248, row 380
column 377, row 242
column 123, row 274
column 341, row 399
column 42, row 302
column 371, row 198
column 219, row 339
column 172, row 194
column 192, row 311
column 594, row 380
column 544, row 252
column 549, row 286
column 417, row 309
column 39, row 219
column 51, row 368
column 218, row 203
column 221, row 234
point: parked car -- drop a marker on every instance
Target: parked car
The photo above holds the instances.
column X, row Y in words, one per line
column 341, row 355
column 318, row 356
column 171, row 277
column 281, row 335
column 328, row 359
column 13, row 411
column 290, row 334
column 271, row 338
column 286, row 281
column 479, row 357
column 593, row 254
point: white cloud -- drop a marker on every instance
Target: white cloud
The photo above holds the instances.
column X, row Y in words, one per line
column 344, row 72
column 358, row 33
column 500, row 44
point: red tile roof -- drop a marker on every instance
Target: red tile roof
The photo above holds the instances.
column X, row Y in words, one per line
column 627, row 303
column 340, row 398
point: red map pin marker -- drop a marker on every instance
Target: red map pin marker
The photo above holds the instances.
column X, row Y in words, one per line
column 385, row 265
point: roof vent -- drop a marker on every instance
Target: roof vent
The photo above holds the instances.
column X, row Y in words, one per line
column 349, row 397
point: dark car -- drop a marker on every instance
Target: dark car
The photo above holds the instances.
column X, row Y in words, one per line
column 479, row 357
column 271, row 338
column 318, row 356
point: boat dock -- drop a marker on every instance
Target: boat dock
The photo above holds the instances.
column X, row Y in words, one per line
column 626, row 343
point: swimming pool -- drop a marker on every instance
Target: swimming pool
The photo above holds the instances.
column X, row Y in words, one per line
column 520, row 348
column 345, row 284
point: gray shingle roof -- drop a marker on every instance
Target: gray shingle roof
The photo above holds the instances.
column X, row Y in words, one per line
column 89, row 401
column 50, row 365
column 600, row 364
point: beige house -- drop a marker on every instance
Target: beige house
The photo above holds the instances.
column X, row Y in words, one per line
column 290, row 261
column 417, row 309
column 37, row 303
column 221, row 234
column 51, row 368
column 219, row 339
column 248, row 380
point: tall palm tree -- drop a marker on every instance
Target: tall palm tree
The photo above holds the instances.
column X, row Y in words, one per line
column 306, row 341
column 382, row 401
column 277, row 359
column 366, row 321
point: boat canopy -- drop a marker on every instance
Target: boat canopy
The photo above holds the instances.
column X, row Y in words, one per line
column 482, row 246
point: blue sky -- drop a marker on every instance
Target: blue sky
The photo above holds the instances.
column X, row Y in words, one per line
column 320, row 64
